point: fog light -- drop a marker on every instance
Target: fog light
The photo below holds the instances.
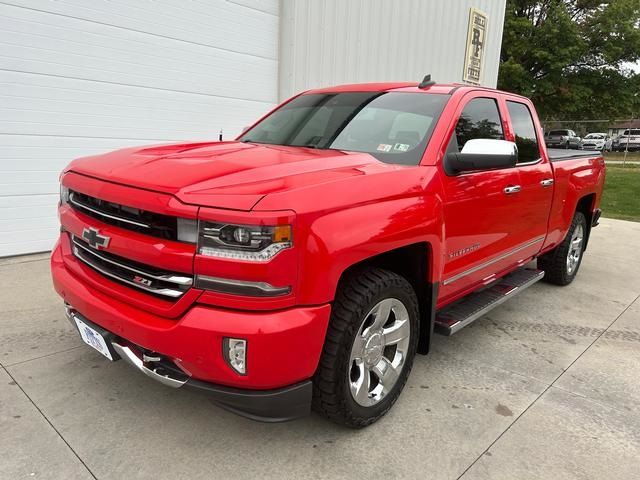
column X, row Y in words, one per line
column 235, row 353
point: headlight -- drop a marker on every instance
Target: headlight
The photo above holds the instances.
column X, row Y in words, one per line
column 243, row 242
column 64, row 195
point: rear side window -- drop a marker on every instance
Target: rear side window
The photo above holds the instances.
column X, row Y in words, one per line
column 479, row 119
column 525, row 131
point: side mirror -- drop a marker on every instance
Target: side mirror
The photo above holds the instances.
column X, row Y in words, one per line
column 482, row 154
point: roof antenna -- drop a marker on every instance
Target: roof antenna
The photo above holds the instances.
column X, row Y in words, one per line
column 426, row 82
column 220, row 136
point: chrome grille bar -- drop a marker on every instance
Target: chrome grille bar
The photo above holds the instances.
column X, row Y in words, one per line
column 108, row 264
column 81, row 205
column 165, row 278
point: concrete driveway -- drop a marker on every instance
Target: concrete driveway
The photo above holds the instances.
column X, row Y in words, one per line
column 545, row 386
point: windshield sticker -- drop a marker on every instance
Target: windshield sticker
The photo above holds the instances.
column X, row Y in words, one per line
column 384, row 147
column 401, row 147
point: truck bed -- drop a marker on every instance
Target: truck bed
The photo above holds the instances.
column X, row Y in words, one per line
column 559, row 154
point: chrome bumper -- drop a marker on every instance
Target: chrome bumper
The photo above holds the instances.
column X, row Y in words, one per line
column 138, row 362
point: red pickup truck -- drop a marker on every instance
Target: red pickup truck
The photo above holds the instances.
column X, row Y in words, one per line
column 306, row 263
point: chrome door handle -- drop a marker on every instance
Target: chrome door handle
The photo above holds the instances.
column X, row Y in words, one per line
column 547, row 182
column 512, row 189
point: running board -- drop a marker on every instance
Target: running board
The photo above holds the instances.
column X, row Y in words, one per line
column 465, row 311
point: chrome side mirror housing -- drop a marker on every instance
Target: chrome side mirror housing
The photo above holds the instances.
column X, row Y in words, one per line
column 489, row 146
column 482, row 154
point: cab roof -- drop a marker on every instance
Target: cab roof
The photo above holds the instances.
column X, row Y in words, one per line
column 438, row 88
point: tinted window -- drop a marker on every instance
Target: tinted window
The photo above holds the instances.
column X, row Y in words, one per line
column 479, row 119
column 394, row 127
column 525, row 132
column 559, row 133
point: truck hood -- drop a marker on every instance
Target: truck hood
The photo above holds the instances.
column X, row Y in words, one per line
column 231, row 175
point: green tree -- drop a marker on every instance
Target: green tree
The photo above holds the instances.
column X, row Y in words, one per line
column 569, row 56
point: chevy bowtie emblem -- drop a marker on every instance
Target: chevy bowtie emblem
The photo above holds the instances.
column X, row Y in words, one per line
column 93, row 238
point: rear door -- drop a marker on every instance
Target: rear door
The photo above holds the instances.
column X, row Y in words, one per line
column 536, row 177
column 480, row 216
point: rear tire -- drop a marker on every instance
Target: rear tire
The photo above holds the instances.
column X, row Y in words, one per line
column 369, row 349
column 561, row 264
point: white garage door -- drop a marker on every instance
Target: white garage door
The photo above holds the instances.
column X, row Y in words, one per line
column 79, row 78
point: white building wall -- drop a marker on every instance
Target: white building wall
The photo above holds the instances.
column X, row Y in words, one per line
column 79, row 78
column 82, row 77
column 330, row 42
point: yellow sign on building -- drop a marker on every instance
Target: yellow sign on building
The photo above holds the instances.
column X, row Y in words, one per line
column 476, row 38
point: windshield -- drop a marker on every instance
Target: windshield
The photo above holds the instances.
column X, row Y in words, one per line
column 394, row 127
column 595, row 136
column 559, row 132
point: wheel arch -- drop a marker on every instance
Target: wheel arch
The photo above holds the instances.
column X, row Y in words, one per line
column 586, row 206
column 414, row 262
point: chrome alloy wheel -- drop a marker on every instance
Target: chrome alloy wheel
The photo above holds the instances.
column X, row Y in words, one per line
column 575, row 249
column 379, row 352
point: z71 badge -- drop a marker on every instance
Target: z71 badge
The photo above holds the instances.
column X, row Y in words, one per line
column 142, row 281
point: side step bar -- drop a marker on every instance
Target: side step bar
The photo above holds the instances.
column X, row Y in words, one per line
column 458, row 315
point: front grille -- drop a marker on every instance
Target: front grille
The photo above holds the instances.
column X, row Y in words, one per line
column 141, row 221
column 143, row 277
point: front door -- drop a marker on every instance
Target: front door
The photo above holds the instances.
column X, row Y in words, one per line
column 479, row 207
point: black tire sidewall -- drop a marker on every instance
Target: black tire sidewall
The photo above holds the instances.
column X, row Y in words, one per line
column 411, row 304
column 579, row 219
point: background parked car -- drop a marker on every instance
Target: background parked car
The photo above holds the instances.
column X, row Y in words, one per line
column 563, row 138
column 596, row 141
column 614, row 143
column 630, row 139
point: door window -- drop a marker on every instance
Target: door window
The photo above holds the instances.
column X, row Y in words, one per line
column 479, row 119
column 525, row 132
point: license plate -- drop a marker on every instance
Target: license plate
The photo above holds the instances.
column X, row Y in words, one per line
column 93, row 338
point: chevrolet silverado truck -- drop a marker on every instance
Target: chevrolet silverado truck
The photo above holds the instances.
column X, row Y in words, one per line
column 303, row 265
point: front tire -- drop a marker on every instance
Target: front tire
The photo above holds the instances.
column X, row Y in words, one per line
column 561, row 264
column 369, row 349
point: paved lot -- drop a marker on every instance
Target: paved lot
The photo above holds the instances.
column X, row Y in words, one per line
column 546, row 386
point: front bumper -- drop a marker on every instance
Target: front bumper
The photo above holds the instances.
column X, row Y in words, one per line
column 276, row 405
column 630, row 146
column 283, row 347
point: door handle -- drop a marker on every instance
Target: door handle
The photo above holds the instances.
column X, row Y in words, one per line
column 547, row 182
column 511, row 190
